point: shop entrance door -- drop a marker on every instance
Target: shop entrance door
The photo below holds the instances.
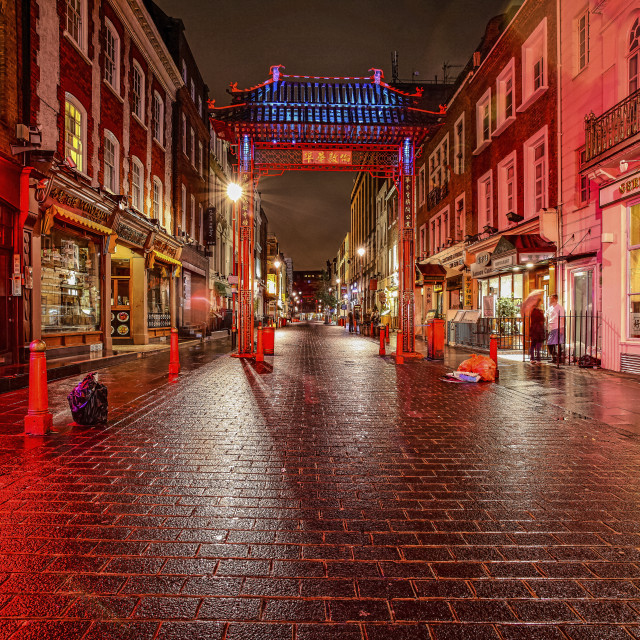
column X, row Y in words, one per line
column 120, row 300
column 5, row 291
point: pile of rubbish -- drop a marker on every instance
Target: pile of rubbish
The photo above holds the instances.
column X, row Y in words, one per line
column 475, row 369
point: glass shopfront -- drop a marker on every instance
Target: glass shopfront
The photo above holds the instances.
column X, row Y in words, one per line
column 633, row 290
column 159, row 310
column 70, row 270
column 501, row 293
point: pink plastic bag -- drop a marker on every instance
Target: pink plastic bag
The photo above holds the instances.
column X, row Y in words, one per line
column 482, row 365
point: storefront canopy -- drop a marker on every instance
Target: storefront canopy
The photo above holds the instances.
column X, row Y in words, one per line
column 432, row 272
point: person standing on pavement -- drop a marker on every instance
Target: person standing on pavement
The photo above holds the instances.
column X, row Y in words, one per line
column 536, row 332
column 350, row 317
column 555, row 320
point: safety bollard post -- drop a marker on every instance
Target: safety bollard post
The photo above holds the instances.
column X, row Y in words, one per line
column 174, row 357
column 387, row 336
column 493, row 350
column 382, row 351
column 38, row 421
column 399, row 358
column 259, row 346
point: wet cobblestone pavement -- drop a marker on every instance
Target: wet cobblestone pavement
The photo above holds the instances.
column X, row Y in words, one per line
column 327, row 493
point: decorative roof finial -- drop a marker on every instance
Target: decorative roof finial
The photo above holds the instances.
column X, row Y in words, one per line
column 275, row 71
column 377, row 75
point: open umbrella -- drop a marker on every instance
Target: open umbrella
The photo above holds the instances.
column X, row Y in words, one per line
column 531, row 300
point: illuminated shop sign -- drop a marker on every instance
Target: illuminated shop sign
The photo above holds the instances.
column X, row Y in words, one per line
column 325, row 156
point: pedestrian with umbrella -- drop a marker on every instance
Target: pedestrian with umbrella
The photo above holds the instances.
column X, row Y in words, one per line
column 532, row 308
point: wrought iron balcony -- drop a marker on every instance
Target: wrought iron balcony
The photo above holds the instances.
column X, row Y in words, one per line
column 614, row 128
column 437, row 194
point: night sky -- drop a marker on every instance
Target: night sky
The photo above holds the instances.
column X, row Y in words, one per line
column 238, row 40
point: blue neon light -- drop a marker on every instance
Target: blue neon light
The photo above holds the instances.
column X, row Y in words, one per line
column 407, row 157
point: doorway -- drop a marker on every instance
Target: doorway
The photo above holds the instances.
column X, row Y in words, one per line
column 5, row 292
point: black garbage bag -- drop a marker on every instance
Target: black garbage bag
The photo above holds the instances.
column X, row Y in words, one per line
column 88, row 401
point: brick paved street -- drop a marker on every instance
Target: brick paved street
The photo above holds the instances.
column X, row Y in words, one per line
column 327, row 493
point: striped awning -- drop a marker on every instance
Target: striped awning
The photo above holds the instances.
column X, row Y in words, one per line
column 79, row 220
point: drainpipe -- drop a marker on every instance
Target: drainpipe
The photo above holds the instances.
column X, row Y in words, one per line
column 560, row 270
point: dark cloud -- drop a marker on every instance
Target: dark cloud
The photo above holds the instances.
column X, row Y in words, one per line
column 238, row 40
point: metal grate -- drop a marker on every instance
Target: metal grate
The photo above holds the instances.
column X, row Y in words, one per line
column 629, row 363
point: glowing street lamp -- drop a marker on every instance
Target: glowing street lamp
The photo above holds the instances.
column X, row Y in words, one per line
column 234, row 191
column 361, row 251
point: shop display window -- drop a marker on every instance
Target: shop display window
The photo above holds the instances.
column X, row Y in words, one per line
column 70, row 283
column 634, row 271
column 159, row 313
column 502, row 293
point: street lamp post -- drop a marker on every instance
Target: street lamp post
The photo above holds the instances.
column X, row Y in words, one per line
column 361, row 252
column 277, row 264
column 234, row 192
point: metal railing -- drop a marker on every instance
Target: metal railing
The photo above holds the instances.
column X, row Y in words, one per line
column 614, row 126
column 579, row 337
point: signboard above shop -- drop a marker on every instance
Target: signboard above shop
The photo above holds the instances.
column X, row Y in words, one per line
column 620, row 189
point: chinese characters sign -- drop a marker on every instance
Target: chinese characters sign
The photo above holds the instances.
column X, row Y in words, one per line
column 407, row 205
column 325, row 156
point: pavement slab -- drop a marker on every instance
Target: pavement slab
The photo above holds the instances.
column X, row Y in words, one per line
column 325, row 493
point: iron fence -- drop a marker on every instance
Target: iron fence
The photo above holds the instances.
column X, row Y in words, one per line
column 580, row 341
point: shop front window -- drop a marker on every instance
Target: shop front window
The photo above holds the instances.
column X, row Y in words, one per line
column 634, row 271
column 159, row 314
column 70, row 283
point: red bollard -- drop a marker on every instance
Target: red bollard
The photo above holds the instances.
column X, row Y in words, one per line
column 174, row 357
column 38, row 421
column 382, row 351
column 387, row 336
column 399, row 358
column 259, row 347
column 493, row 350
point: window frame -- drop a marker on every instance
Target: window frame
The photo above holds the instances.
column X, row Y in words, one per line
column 183, row 202
column 192, row 154
column 582, row 39
column 137, row 163
column 192, row 211
column 507, row 75
column 70, row 99
column 485, row 200
column 114, row 82
column 508, row 162
column 630, row 249
column 534, row 49
column 157, row 120
column 424, row 238
column 81, row 40
column 421, row 185
column 459, row 144
column 460, row 218
column 483, row 110
column 157, row 183
column 633, row 53
column 115, row 186
column 184, row 133
column 138, row 111
column 529, row 147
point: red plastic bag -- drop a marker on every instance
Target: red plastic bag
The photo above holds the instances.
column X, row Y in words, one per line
column 483, row 365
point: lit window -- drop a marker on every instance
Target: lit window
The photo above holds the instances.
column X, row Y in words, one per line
column 158, row 118
column 583, row 40
column 74, row 131
column 633, row 292
column 157, row 199
column 137, row 92
column 506, row 190
column 112, row 56
column 137, row 183
column 111, row 148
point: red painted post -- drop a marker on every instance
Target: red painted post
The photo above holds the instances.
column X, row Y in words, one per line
column 174, row 357
column 493, row 350
column 259, row 348
column 38, row 421
column 387, row 332
column 382, row 351
column 399, row 358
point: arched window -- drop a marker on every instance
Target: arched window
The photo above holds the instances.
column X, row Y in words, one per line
column 75, row 131
column 111, row 162
column 634, row 55
column 111, row 56
column 137, row 184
